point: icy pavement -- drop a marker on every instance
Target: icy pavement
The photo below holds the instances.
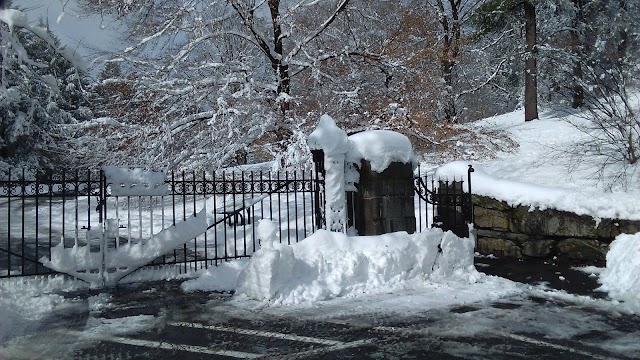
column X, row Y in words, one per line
column 158, row 320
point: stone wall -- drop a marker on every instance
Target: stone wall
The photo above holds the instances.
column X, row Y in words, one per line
column 522, row 232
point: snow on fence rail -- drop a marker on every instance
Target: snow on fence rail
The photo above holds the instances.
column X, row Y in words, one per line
column 60, row 211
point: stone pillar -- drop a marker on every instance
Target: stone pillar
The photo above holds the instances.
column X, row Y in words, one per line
column 384, row 202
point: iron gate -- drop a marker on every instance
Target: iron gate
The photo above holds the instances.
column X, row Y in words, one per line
column 451, row 207
column 40, row 212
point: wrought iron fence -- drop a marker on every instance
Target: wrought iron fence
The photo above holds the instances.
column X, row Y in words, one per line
column 47, row 210
column 40, row 212
column 443, row 203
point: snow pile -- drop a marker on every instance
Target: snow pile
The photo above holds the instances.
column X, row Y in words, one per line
column 620, row 278
column 329, row 265
column 380, row 148
column 12, row 322
column 80, row 262
column 334, row 142
column 585, row 201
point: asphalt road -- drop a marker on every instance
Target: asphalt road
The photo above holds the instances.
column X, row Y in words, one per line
column 199, row 326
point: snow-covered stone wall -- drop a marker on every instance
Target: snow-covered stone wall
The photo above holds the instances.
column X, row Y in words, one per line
column 522, row 231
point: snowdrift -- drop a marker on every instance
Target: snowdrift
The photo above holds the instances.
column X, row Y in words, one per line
column 327, row 265
column 620, row 278
column 81, row 263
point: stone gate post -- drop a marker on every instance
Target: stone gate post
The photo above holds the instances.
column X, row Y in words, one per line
column 384, row 198
column 376, row 168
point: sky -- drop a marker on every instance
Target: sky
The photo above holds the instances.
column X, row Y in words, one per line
column 87, row 34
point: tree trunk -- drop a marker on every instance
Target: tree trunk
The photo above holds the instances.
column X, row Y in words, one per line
column 530, row 64
column 623, row 42
column 448, row 106
column 451, row 28
column 281, row 69
column 577, row 95
column 576, row 44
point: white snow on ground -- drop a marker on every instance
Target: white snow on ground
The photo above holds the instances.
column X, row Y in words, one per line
column 541, row 172
column 24, row 302
column 544, row 153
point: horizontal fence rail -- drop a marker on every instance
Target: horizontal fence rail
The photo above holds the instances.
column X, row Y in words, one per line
column 69, row 209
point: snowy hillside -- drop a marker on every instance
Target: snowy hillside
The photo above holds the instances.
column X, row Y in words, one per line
column 546, row 170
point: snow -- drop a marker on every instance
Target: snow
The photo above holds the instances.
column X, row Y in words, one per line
column 328, row 137
column 24, row 302
column 586, row 201
column 380, row 148
column 542, row 172
column 332, row 274
column 620, row 277
column 328, row 265
column 108, row 266
column 136, row 182
column 13, row 17
column 334, row 142
column 343, row 154
column 121, row 326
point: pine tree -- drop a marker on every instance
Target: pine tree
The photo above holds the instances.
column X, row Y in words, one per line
column 40, row 90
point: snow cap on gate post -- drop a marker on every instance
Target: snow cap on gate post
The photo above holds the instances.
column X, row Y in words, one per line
column 334, row 142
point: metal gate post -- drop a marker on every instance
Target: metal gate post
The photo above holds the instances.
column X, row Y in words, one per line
column 318, row 203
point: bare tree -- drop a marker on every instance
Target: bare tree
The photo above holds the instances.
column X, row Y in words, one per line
column 216, row 67
column 612, row 125
column 453, row 18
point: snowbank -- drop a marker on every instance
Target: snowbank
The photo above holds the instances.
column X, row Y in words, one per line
column 620, row 278
column 328, row 265
column 80, row 262
column 587, row 201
